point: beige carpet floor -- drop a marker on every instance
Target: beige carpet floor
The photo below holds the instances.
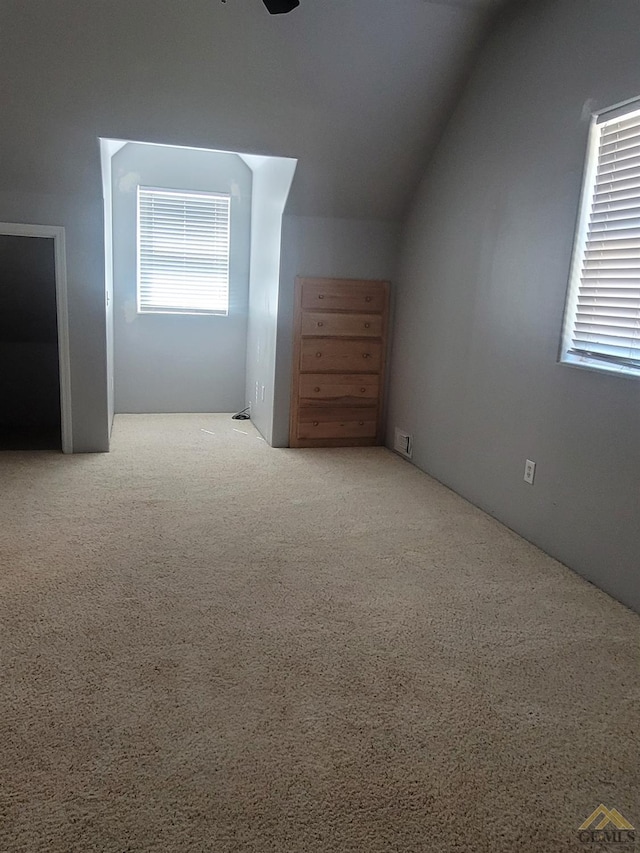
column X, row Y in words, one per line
column 211, row 645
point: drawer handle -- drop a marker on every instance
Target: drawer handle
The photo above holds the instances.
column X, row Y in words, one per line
column 366, row 355
column 315, row 423
column 321, row 296
column 361, row 423
column 317, row 390
column 318, row 355
column 363, row 390
column 367, row 299
column 367, row 325
column 320, row 323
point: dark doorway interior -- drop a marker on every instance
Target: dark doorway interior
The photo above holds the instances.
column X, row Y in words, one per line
column 29, row 370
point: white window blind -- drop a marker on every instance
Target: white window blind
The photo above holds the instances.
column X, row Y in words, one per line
column 603, row 313
column 183, row 252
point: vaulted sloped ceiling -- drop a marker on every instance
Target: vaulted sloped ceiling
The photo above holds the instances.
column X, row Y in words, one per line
column 357, row 90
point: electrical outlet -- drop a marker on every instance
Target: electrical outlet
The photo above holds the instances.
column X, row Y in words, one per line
column 403, row 443
column 529, row 471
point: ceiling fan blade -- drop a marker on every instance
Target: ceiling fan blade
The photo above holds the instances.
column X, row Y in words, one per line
column 280, row 7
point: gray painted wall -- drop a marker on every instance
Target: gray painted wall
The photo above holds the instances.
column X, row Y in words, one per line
column 29, row 378
column 483, row 280
column 82, row 217
column 172, row 362
column 335, row 248
column 108, row 147
column 271, row 184
column 357, row 91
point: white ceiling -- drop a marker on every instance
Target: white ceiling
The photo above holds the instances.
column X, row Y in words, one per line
column 357, row 90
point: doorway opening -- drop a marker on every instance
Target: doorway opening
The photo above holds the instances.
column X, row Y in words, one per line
column 35, row 386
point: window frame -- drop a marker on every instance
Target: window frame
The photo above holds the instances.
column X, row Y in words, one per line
column 177, row 310
column 579, row 247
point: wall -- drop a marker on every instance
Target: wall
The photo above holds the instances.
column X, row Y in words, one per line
column 332, row 248
column 272, row 179
column 82, row 219
column 109, row 147
column 173, row 362
column 356, row 91
column 483, row 279
column 29, row 378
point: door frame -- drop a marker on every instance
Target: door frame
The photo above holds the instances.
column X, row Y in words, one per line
column 57, row 234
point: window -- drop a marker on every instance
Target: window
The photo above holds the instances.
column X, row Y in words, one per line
column 183, row 252
column 602, row 319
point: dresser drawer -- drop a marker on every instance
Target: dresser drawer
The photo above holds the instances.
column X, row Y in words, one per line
column 342, row 325
column 338, row 295
column 318, row 356
column 337, row 422
column 343, row 387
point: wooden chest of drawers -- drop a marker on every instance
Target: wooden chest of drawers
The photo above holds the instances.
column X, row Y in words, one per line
column 340, row 336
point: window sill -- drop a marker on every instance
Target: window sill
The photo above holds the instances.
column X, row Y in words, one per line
column 171, row 313
column 591, row 364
